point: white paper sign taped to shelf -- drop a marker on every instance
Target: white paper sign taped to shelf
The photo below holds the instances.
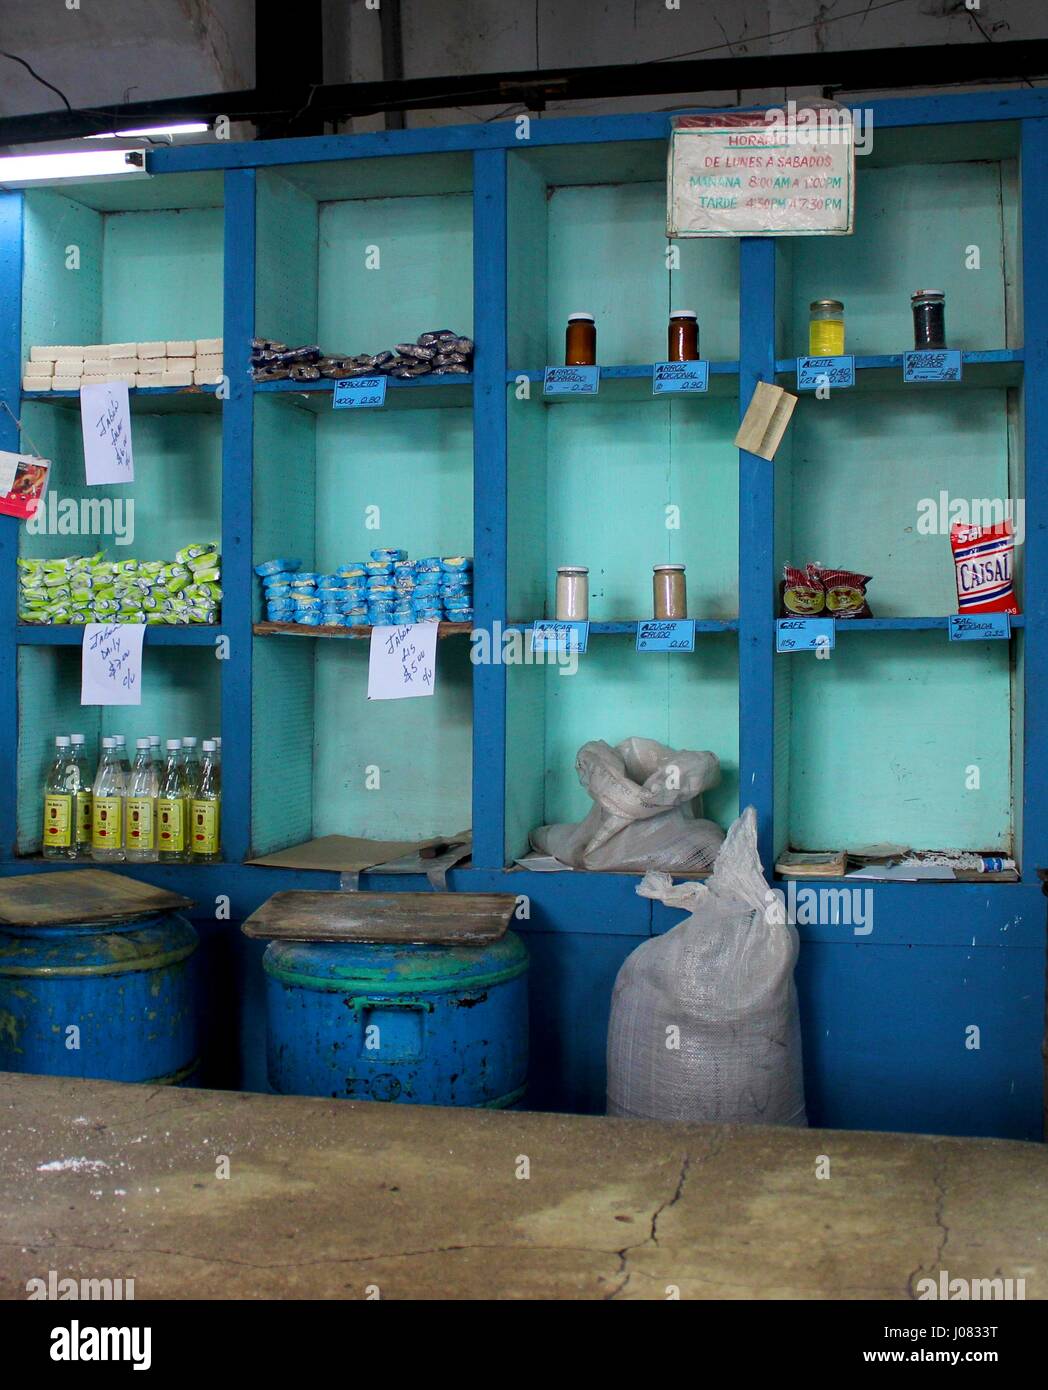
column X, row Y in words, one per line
column 403, row 661
column 787, row 171
column 105, row 418
column 111, row 664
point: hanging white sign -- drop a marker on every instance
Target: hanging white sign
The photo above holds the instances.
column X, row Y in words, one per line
column 785, row 172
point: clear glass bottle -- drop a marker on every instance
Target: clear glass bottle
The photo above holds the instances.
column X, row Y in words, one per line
column 154, row 751
column 107, row 809
column 191, row 763
column 84, row 779
column 218, row 749
column 120, row 743
column 142, row 792
column 59, row 831
column 206, row 809
column 171, row 808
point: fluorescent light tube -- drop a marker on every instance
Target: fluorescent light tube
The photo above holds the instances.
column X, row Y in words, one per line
column 190, row 129
column 20, row 169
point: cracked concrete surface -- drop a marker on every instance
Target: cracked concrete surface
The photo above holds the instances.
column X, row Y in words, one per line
column 329, row 1199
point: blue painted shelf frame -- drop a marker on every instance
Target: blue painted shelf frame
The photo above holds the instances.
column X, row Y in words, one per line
column 581, row 926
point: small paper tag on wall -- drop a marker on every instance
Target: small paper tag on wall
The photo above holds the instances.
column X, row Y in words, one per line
column 765, row 420
column 403, row 660
column 111, row 664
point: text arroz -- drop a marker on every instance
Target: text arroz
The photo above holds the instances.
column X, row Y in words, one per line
column 679, row 377
column 571, row 381
column 402, row 662
column 550, row 635
column 832, row 372
column 677, row 635
column 979, row 627
column 360, row 392
column 105, row 421
column 942, row 364
column 805, row 634
column 111, row 664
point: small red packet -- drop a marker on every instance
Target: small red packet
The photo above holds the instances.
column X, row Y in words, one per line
column 845, row 591
column 801, row 596
column 23, row 482
column 982, row 558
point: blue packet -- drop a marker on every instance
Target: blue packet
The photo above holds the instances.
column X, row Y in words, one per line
column 277, row 567
column 389, row 556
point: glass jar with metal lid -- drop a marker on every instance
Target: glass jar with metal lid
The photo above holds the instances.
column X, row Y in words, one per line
column 826, row 328
column 929, row 319
column 580, row 340
column 572, row 594
column 669, row 592
column 683, row 338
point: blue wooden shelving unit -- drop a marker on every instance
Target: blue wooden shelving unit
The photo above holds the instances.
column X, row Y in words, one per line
column 884, row 1013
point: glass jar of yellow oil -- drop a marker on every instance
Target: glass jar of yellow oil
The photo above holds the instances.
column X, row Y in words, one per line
column 826, row 328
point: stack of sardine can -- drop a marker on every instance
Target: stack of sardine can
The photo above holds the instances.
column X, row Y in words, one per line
column 79, row 589
column 386, row 590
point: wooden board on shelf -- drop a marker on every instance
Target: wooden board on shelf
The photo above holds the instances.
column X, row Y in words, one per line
column 448, row 919
column 80, row 895
column 364, row 630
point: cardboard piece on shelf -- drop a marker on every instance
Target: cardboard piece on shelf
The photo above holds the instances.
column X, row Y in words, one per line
column 348, row 854
column 80, row 895
column 459, row 919
column 765, row 421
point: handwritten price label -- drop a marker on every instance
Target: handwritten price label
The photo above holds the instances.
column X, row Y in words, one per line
column 979, row 627
column 679, row 377
column 111, row 664
column 402, row 662
column 551, row 635
column 832, row 372
column 105, row 421
column 360, row 392
column 677, row 635
column 571, row 381
column 805, row 634
column 932, row 365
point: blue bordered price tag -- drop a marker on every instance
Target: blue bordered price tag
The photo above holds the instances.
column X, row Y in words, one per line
column 677, row 635
column 979, row 627
column 941, row 364
column 359, row 392
column 676, row 377
column 549, row 635
column 805, row 634
column 571, row 381
column 834, row 372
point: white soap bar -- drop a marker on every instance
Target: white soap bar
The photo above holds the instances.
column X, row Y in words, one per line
column 208, row 347
column 122, row 350
column 64, row 353
column 94, row 365
column 211, row 362
column 184, row 348
column 65, row 383
column 43, row 354
column 176, row 378
column 33, row 368
column 36, row 383
column 206, row 378
column 150, row 349
column 144, row 380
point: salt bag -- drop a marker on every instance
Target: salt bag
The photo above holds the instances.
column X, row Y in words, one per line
column 645, row 813
column 704, row 1024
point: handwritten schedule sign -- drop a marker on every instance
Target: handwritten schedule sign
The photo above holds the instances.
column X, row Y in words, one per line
column 776, row 174
column 979, row 627
column 403, row 661
column 111, row 664
column 105, row 419
column 804, row 634
column 356, row 392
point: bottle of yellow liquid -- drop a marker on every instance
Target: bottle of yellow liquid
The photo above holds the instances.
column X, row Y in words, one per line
column 172, row 807
column 206, row 809
column 826, row 328
column 107, row 809
column 59, row 834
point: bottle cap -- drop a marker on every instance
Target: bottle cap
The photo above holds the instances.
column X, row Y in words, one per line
column 173, row 744
column 119, row 740
column 657, row 568
column 61, row 741
column 154, row 740
column 218, row 742
column 573, row 569
column 109, row 743
column 189, row 743
column 581, row 314
column 683, row 314
column 141, row 743
column 834, row 304
column 920, row 294
column 76, row 738
column 209, row 745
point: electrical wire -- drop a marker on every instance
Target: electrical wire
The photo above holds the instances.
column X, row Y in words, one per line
column 778, row 33
column 33, row 73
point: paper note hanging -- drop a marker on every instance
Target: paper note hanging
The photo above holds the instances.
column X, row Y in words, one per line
column 23, row 482
column 111, row 664
column 765, row 420
column 105, row 418
column 403, row 660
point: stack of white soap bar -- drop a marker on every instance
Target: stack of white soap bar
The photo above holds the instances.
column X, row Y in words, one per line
column 188, row 362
